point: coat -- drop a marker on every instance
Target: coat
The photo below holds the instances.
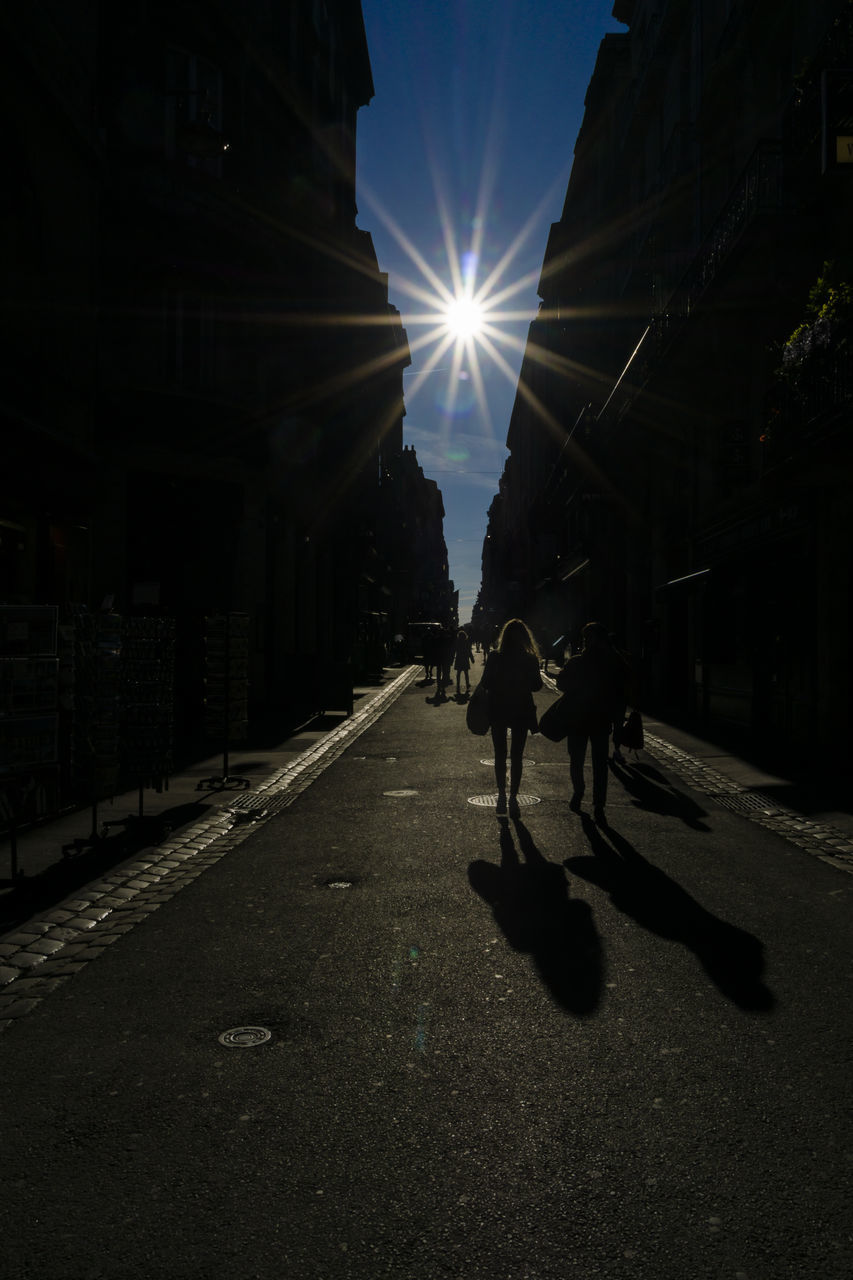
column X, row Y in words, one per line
column 511, row 680
column 594, row 682
column 463, row 653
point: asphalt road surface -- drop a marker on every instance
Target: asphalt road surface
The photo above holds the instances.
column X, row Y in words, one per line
column 498, row 1049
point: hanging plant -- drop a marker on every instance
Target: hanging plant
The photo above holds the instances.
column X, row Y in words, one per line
column 829, row 307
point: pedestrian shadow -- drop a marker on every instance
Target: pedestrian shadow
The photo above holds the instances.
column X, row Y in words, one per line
column 732, row 958
column 531, row 905
column 652, row 792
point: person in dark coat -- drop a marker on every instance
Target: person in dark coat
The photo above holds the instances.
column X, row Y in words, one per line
column 555, row 652
column 430, row 647
column 462, row 660
column 445, row 643
column 511, row 676
column 594, row 681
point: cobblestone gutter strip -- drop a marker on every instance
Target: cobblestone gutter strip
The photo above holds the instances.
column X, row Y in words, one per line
column 282, row 788
column 822, row 840
column 48, row 950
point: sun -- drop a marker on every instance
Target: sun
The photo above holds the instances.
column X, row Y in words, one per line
column 464, row 317
column 472, row 319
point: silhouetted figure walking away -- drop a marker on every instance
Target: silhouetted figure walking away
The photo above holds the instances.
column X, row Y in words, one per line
column 443, row 660
column 463, row 658
column 594, row 682
column 430, row 647
column 619, row 715
column 555, row 652
column 511, row 676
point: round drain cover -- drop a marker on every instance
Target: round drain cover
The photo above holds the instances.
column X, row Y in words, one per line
column 245, row 1037
column 491, row 801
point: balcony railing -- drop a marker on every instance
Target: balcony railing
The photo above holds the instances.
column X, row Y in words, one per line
column 759, row 190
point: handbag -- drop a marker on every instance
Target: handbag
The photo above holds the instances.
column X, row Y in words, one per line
column 477, row 715
column 554, row 722
column 632, row 736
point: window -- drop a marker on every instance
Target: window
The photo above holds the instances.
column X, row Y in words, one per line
column 189, row 340
column 194, row 134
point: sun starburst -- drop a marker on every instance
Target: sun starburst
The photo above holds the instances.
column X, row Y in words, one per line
column 464, row 317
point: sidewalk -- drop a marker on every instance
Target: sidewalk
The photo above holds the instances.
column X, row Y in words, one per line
column 823, row 795
column 823, row 792
column 57, row 856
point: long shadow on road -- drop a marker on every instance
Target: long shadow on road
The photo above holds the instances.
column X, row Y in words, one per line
column 732, row 958
column 531, row 905
column 656, row 794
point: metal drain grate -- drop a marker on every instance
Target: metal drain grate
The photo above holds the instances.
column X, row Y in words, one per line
column 491, row 801
column 252, row 807
column 745, row 802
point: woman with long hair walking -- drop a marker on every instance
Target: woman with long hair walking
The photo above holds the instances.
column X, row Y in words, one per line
column 511, row 677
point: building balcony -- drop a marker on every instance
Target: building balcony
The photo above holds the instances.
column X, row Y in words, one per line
column 759, row 192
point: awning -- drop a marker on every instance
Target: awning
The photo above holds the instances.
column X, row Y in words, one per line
column 687, row 583
column 577, row 569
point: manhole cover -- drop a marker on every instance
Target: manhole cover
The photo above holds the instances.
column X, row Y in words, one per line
column 490, row 801
column 406, row 792
column 245, row 1037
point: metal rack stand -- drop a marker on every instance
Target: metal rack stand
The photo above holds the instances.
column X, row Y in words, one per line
column 226, row 702
column 29, row 717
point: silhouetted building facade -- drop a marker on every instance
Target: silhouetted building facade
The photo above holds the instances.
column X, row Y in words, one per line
column 680, row 456
column 202, row 372
column 414, row 547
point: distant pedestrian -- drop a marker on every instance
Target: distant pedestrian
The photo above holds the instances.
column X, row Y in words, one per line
column 594, row 682
column 444, row 658
column 462, row 659
column 511, row 676
column 430, row 650
column 555, row 652
column 620, row 712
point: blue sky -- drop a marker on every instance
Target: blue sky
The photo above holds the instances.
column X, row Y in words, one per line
column 464, row 156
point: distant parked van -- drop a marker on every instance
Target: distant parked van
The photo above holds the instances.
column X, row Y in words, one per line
column 415, row 633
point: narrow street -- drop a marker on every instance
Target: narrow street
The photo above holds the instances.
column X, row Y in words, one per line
column 491, row 1049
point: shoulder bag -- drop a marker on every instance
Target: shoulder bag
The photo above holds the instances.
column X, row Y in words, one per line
column 554, row 722
column 477, row 715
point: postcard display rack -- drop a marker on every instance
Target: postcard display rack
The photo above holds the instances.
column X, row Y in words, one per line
column 91, row 683
column 147, row 702
column 120, row 674
column 226, row 686
column 29, row 717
